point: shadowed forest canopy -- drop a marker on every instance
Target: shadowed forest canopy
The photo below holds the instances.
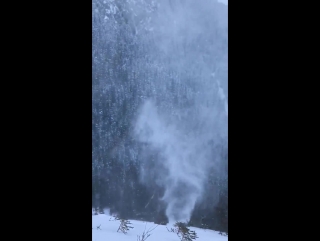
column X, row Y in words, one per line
column 160, row 110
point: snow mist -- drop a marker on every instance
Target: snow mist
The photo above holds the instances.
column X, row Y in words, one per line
column 183, row 162
column 182, row 122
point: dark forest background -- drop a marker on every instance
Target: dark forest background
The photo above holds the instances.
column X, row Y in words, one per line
column 173, row 52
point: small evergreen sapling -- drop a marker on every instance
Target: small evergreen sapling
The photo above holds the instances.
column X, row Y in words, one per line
column 98, row 227
column 96, row 210
column 183, row 232
column 124, row 224
column 223, row 233
column 101, row 211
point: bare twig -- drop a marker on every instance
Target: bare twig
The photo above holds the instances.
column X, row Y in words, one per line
column 145, row 234
column 171, row 230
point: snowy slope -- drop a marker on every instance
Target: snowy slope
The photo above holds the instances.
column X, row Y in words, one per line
column 108, row 231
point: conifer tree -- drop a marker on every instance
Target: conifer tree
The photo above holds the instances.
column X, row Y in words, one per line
column 124, row 224
column 183, row 232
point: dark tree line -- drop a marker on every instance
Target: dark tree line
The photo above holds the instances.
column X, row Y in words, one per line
column 136, row 56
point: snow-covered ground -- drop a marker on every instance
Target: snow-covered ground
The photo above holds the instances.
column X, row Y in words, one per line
column 108, row 231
